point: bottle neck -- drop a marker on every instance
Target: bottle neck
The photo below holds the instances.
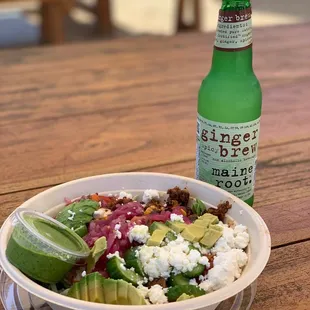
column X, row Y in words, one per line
column 239, row 62
column 235, row 4
column 233, row 42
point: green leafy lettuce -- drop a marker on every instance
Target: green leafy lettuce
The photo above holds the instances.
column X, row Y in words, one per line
column 77, row 215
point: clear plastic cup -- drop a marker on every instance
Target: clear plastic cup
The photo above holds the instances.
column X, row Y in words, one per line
column 43, row 248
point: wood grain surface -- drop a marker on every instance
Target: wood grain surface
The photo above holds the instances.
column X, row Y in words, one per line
column 130, row 105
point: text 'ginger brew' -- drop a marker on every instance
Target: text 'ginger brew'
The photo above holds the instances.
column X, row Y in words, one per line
column 229, row 107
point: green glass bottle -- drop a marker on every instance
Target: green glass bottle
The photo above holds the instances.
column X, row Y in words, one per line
column 229, row 107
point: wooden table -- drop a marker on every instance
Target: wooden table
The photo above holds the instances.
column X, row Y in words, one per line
column 130, row 104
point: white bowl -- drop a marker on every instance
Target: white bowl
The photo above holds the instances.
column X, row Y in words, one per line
column 258, row 250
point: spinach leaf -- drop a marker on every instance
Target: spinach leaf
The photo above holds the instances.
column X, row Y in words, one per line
column 77, row 215
column 198, row 207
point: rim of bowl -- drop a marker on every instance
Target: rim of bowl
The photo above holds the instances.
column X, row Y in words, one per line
column 195, row 303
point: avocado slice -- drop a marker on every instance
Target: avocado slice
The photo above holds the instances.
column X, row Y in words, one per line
column 74, row 291
column 97, row 250
column 158, row 225
column 217, row 227
column 193, row 233
column 84, row 289
column 185, row 297
column 95, row 291
column 122, row 292
column 206, row 220
column 177, row 279
column 212, row 219
column 134, row 296
column 110, row 291
column 176, row 291
column 96, row 288
column 157, row 237
column 117, row 270
column 178, row 227
column 202, row 223
column 89, row 288
column 210, row 237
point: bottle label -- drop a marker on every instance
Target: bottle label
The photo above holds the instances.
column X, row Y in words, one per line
column 234, row 30
column 226, row 155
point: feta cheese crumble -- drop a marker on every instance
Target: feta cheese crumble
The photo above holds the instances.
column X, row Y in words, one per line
column 110, row 255
column 193, row 282
column 143, row 290
column 233, row 238
column 175, row 257
column 156, row 295
column 72, row 215
column 227, row 268
column 229, row 260
column 139, row 233
column 118, row 234
column 150, row 194
column 124, row 194
column 176, row 218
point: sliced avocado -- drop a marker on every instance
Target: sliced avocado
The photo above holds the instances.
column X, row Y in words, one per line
column 210, row 217
column 117, row 270
column 134, row 296
column 157, row 237
column 171, row 236
column 95, row 291
column 96, row 252
column 197, row 271
column 206, row 220
column 110, row 291
column 177, row 279
column 202, row 223
column 210, row 237
column 193, row 233
column 176, row 291
column 158, row 225
column 122, row 292
column 176, row 226
column 217, row 227
column 185, row 297
column 74, row 291
column 132, row 261
column 84, row 289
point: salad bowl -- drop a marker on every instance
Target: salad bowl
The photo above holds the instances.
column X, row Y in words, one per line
column 51, row 202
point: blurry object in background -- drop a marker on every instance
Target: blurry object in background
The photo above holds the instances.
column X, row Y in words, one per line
column 195, row 25
column 102, row 10
column 23, row 21
column 15, row 30
column 53, row 13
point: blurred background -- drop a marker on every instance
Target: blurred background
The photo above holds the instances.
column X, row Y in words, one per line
column 34, row 22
